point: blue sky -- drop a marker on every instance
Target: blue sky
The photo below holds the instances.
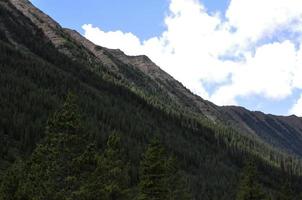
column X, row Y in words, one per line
column 143, row 18
column 219, row 49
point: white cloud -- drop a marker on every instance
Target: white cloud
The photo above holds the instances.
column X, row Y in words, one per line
column 268, row 73
column 255, row 19
column 297, row 81
column 297, row 108
column 113, row 39
column 242, row 52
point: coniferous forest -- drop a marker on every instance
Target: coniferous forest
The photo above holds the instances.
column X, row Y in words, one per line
column 69, row 130
column 66, row 166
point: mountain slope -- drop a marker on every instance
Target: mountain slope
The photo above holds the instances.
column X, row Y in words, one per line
column 282, row 132
column 41, row 62
column 34, row 80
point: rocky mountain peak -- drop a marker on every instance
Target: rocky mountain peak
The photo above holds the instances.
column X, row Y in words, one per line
column 50, row 27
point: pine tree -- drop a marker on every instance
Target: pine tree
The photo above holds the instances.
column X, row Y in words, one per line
column 110, row 180
column 177, row 188
column 49, row 171
column 249, row 188
column 160, row 177
column 116, row 171
column 153, row 174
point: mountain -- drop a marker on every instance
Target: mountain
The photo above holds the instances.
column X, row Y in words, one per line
column 41, row 61
column 281, row 132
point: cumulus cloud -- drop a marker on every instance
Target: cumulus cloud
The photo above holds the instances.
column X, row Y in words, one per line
column 269, row 73
column 297, row 108
column 113, row 39
column 255, row 19
column 255, row 49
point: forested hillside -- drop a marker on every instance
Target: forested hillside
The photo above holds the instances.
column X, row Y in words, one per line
column 146, row 79
column 66, row 151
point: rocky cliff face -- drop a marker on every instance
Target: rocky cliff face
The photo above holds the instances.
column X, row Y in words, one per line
column 50, row 27
column 281, row 132
column 97, row 52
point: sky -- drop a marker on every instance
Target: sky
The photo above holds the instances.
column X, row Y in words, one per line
column 231, row 52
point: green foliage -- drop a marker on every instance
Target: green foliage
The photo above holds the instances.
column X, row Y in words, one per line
column 49, row 172
column 62, row 167
column 66, row 121
column 11, row 182
column 116, row 176
column 176, row 182
column 159, row 176
column 249, row 188
column 153, row 173
column 65, row 167
column 110, row 180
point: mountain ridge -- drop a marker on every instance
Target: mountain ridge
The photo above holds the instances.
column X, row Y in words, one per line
column 282, row 133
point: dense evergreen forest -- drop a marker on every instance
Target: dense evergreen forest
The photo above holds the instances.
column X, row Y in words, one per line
column 110, row 142
column 65, row 165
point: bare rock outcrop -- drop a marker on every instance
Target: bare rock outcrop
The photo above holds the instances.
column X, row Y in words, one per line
column 51, row 28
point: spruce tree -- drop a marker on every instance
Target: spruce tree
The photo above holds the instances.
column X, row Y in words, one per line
column 49, row 171
column 110, row 180
column 116, row 170
column 160, row 177
column 177, row 187
column 249, row 188
column 153, row 173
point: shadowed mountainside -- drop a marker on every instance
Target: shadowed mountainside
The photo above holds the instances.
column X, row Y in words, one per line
column 41, row 62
